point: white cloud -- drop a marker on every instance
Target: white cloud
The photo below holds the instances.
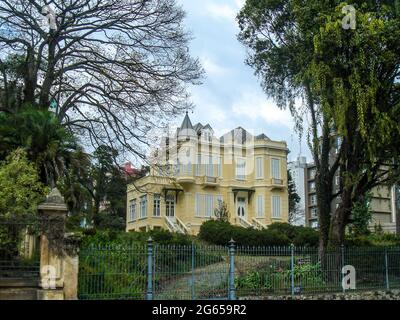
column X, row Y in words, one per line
column 212, row 68
column 240, row 3
column 225, row 10
column 222, row 11
column 255, row 105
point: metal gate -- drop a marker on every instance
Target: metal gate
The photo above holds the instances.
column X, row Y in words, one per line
column 19, row 248
column 191, row 272
column 159, row 272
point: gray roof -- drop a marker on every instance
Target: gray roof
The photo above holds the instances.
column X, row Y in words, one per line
column 186, row 124
column 262, row 136
column 207, row 126
column 197, row 127
column 186, row 130
column 239, row 134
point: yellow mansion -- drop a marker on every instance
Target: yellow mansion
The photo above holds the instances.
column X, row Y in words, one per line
column 194, row 174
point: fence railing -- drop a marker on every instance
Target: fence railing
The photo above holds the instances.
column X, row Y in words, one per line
column 229, row 272
column 19, row 248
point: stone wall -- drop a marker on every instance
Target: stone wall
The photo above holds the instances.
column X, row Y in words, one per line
column 355, row 295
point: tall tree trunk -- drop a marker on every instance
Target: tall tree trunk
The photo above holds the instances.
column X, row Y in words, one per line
column 324, row 215
column 29, row 78
column 44, row 100
column 340, row 219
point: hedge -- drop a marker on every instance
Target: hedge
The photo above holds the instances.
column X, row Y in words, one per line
column 96, row 237
column 277, row 234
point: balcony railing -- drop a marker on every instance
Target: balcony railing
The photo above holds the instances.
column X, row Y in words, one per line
column 258, row 225
column 184, row 173
column 210, row 181
column 277, row 182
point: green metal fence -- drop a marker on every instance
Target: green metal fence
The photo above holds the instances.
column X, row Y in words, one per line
column 113, row 272
column 228, row 272
column 19, row 248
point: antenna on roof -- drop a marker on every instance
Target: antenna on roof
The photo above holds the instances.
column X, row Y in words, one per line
column 187, row 103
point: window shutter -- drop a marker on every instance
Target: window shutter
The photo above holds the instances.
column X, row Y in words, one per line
column 259, row 168
column 197, row 205
column 276, row 174
column 276, row 206
column 260, row 206
column 198, row 165
column 219, row 167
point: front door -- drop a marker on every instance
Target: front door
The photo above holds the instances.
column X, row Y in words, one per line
column 241, row 207
column 170, row 206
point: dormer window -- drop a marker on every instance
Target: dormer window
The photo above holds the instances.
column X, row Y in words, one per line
column 206, row 135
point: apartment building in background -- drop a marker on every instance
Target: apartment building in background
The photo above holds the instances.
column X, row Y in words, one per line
column 383, row 203
column 298, row 172
column 193, row 173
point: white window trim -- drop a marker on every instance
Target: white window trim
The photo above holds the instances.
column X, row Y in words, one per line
column 273, row 216
column 197, row 202
column 143, row 213
column 260, row 170
column 260, row 213
column 279, row 168
column 132, row 213
column 241, row 177
column 205, row 204
column 157, row 209
column 199, row 165
column 313, row 196
column 210, row 166
column 219, row 167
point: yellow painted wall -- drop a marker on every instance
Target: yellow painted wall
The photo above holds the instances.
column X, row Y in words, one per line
column 185, row 206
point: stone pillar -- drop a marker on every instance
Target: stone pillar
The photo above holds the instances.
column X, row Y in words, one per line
column 71, row 266
column 58, row 253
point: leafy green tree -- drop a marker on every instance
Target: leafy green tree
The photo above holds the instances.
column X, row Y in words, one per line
column 20, row 193
column 48, row 144
column 294, row 199
column 361, row 216
column 279, row 36
column 107, row 187
column 20, row 188
column 222, row 212
column 348, row 80
column 356, row 77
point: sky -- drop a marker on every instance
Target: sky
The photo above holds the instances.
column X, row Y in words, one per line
column 231, row 95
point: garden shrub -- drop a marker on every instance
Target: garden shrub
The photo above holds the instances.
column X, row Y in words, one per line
column 97, row 237
column 373, row 240
column 275, row 278
column 305, row 237
column 277, row 234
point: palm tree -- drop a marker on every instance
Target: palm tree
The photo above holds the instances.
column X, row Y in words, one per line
column 49, row 145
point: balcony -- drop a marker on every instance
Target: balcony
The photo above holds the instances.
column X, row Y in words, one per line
column 277, row 183
column 210, row 181
column 184, row 174
column 183, row 179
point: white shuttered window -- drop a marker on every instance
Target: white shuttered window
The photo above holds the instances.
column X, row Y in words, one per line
column 260, row 206
column 205, row 204
column 259, row 168
column 276, row 206
column 275, row 168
